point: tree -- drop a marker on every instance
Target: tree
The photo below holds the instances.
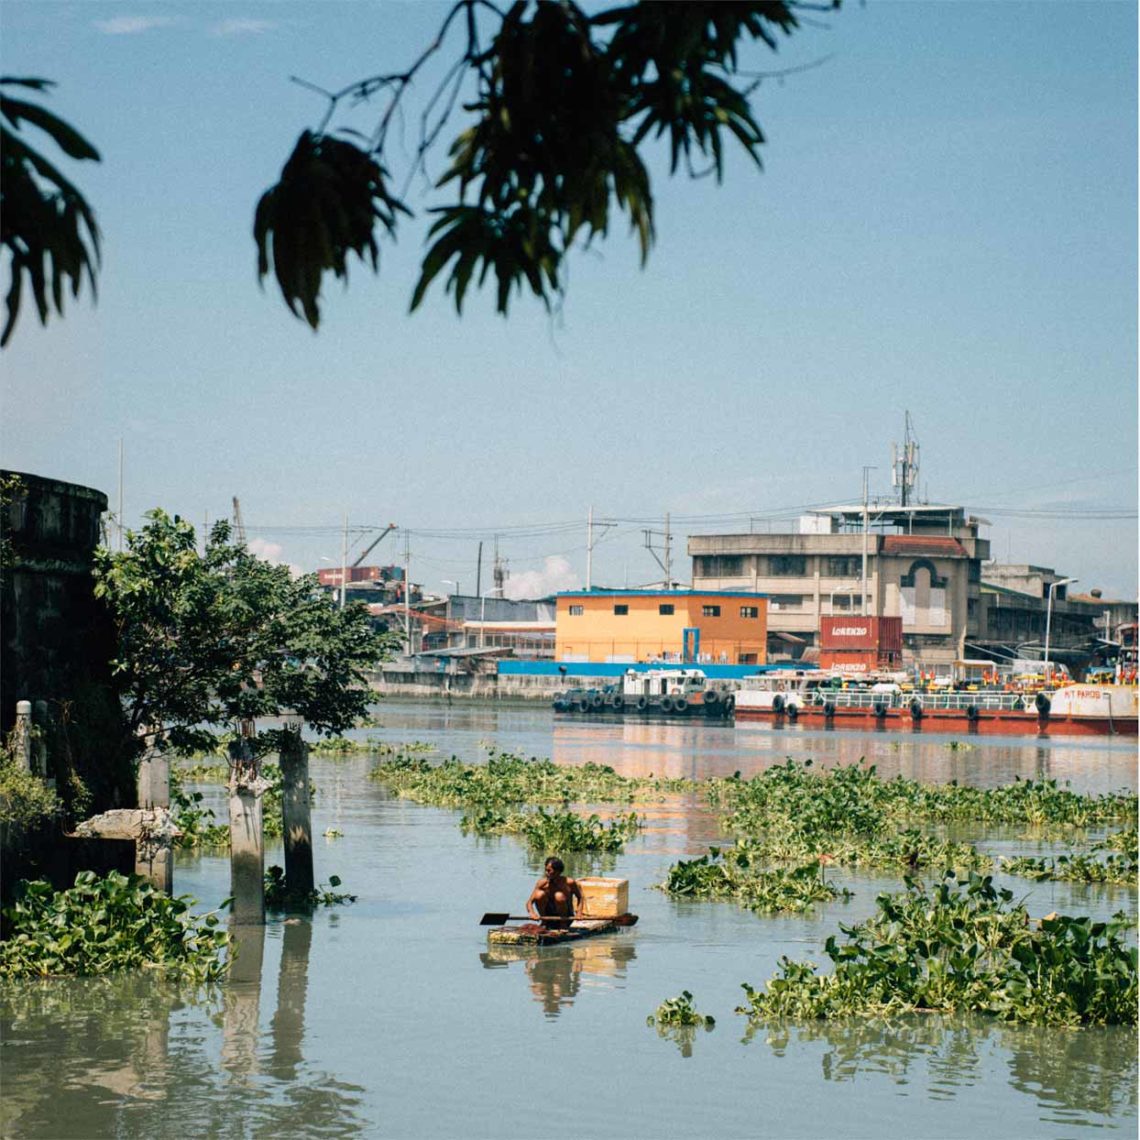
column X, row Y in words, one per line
column 212, row 639
column 562, row 104
column 47, row 229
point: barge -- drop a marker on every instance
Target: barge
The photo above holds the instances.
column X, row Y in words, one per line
column 810, row 696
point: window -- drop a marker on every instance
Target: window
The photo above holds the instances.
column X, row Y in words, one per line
column 718, row 566
column 841, row 566
column 710, row 611
column 749, row 612
column 786, row 601
column 621, row 609
column 665, row 608
column 787, row 565
column 747, row 659
column 575, row 611
column 841, row 602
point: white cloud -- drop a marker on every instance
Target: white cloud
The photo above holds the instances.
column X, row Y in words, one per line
column 242, row 27
column 133, row 25
column 556, row 574
column 271, row 552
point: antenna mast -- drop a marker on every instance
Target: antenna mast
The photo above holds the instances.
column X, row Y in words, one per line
column 904, row 463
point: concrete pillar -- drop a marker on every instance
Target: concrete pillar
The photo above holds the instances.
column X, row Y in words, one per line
column 247, row 844
column 154, row 853
column 296, row 812
column 22, row 735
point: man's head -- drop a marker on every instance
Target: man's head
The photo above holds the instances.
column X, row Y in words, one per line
column 554, row 865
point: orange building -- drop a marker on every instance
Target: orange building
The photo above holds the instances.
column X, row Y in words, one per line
column 714, row 626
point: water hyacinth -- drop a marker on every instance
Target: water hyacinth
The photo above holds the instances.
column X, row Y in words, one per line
column 556, row 831
column 733, row 875
column 105, row 925
column 962, row 947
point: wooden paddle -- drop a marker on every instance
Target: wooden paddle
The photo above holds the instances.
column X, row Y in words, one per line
column 556, row 921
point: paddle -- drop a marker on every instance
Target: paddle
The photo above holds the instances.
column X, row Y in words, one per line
column 495, row 919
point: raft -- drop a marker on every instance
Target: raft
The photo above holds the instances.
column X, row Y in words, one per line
column 535, row 934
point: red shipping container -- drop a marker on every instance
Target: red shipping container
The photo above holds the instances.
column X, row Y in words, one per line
column 848, row 633
column 849, row 660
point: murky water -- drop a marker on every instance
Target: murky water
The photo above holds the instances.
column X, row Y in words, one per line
column 393, row 1017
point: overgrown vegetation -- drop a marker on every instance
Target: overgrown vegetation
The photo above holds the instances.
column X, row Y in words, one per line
column 556, row 831
column 508, row 778
column 25, row 800
column 963, row 947
column 679, row 1011
column 199, row 825
column 105, row 925
column 734, row 875
column 1112, row 861
column 280, row 896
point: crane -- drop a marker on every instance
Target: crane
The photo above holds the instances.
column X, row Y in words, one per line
column 376, row 542
column 239, row 525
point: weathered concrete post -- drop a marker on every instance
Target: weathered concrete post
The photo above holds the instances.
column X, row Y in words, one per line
column 247, row 845
column 22, row 733
column 296, row 812
column 154, row 851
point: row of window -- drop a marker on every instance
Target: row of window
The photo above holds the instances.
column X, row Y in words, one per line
column 774, row 565
column 621, row 609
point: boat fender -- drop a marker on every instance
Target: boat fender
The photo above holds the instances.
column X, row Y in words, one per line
column 583, row 704
column 1042, row 703
column 560, row 705
column 793, row 711
column 729, row 703
column 680, row 705
column 829, row 709
column 596, row 701
column 617, row 702
column 711, row 696
column 971, row 712
column 777, row 703
column 916, row 709
column 642, row 703
column 880, row 710
column 667, row 704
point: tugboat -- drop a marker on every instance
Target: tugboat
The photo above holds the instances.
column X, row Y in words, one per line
column 653, row 693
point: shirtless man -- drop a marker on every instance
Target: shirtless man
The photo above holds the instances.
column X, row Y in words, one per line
column 554, row 896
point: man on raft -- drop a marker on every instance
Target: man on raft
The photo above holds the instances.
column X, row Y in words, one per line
column 554, row 896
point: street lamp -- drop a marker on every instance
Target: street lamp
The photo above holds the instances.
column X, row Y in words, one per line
column 1049, row 617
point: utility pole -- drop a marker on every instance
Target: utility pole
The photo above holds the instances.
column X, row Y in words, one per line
column 863, row 579
column 343, row 561
column 589, row 548
column 479, row 570
column 668, row 554
column 407, row 592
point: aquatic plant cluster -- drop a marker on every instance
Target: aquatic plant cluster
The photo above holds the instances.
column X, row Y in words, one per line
column 556, row 831
column 492, row 792
column 105, row 925
column 962, row 947
column 734, row 875
column 1114, row 860
column 280, row 896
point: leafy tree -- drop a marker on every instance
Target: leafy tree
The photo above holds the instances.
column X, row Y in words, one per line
column 47, row 228
column 561, row 103
column 206, row 640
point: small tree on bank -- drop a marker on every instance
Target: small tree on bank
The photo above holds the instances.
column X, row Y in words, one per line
column 208, row 640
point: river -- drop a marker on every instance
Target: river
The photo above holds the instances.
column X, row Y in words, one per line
column 393, row 1018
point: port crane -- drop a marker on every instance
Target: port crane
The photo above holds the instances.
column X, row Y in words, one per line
column 375, row 543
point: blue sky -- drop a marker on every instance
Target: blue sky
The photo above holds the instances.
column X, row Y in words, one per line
column 946, row 224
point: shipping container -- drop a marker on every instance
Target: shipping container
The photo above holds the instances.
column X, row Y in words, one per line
column 859, row 660
column 880, row 633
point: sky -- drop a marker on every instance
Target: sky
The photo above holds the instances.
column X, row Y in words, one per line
column 945, row 225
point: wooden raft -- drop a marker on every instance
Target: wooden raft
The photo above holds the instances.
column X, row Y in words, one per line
column 535, row 934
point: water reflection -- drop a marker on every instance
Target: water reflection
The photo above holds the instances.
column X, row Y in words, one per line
column 699, row 750
column 1082, row 1077
column 556, row 974
column 136, row 1056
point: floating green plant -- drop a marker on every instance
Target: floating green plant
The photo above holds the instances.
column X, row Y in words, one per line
column 556, row 831
column 962, row 947
column 734, row 875
column 105, row 925
column 280, row 896
column 679, row 1011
